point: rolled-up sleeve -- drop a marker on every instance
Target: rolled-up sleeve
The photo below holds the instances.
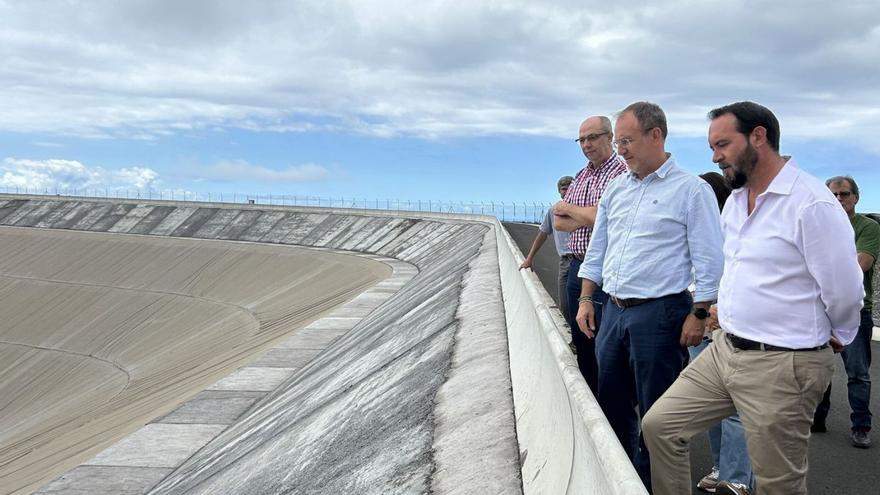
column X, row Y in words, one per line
column 828, row 244
column 705, row 242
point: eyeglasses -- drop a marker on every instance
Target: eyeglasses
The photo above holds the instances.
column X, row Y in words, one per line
column 591, row 138
column 842, row 194
column 625, row 142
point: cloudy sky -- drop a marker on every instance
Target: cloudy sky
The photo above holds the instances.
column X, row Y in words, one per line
column 452, row 100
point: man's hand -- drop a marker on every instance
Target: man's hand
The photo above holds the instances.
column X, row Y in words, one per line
column 561, row 209
column 712, row 321
column 527, row 263
column 692, row 331
column 586, row 319
column 836, row 345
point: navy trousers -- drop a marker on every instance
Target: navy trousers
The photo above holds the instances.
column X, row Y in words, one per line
column 857, row 361
column 639, row 356
column 585, row 347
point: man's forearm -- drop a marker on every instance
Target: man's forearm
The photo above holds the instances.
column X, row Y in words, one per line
column 564, row 224
column 866, row 261
column 584, row 216
column 536, row 244
column 588, row 287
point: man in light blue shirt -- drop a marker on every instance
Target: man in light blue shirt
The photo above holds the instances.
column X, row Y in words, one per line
column 657, row 231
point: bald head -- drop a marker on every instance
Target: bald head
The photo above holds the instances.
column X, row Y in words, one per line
column 597, row 121
column 595, row 136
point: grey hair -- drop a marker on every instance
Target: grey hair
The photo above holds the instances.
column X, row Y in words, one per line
column 649, row 115
column 605, row 122
column 844, row 178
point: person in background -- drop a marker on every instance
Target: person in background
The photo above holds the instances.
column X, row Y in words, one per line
column 727, row 440
column 560, row 239
column 791, row 290
column 857, row 355
column 657, row 230
column 576, row 214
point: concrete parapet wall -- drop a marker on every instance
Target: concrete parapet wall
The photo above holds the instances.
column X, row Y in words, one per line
column 417, row 396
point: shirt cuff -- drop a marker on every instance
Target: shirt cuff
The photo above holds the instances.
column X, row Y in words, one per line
column 702, row 295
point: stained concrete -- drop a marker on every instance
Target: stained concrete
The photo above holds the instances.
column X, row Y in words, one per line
column 103, row 332
column 380, row 410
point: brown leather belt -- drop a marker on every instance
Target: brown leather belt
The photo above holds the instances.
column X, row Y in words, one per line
column 751, row 345
column 628, row 303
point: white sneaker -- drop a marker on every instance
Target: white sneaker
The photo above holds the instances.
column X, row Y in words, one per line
column 728, row 488
column 709, row 483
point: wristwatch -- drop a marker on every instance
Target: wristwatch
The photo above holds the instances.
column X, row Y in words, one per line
column 701, row 313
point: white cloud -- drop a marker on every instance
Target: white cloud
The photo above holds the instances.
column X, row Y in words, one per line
column 60, row 174
column 242, row 171
column 147, row 68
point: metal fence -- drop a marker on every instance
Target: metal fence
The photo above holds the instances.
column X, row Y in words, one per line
column 510, row 211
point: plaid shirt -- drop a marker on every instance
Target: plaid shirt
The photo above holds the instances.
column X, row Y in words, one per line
column 585, row 190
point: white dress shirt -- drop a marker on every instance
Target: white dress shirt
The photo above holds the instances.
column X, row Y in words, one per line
column 791, row 275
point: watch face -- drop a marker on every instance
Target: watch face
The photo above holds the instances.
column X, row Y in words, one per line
column 701, row 313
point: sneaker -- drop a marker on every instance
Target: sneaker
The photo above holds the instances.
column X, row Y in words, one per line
column 860, row 439
column 728, row 488
column 709, row 482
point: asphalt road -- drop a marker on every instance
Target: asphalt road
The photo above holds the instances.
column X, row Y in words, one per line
column 835, row 466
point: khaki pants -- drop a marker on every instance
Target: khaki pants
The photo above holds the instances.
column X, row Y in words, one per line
column 775, row 394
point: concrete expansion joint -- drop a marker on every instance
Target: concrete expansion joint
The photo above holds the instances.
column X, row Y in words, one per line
column 74, row 353
column 185, row 295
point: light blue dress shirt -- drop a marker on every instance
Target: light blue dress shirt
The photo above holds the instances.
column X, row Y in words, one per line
column 655, row 236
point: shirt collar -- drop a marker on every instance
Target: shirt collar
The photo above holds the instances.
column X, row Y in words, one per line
column 661, row 172
column 664, row 169
column 610, row 159
column 783, row 182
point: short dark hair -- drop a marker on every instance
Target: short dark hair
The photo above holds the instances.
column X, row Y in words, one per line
column 719, row 186
column 750, row 115
column 844, row 178
column 649, row 115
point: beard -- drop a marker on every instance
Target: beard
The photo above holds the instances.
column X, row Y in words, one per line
column 742, row 167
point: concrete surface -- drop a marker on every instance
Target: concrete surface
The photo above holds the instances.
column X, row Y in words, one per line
column 566, row 443
column 546, row 263
column 103, row 332
column 412, row 394
column 381, row 409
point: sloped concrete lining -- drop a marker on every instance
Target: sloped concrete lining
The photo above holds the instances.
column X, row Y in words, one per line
column 408, row 363
column 101, row 332
column 197, row 420
column 414, row 420
column 566, row 443
column 416, row 397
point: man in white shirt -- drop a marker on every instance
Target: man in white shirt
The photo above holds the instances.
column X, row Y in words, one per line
column 791, row 290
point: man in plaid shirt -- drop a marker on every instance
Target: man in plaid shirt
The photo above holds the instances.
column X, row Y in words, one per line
column 576, row 214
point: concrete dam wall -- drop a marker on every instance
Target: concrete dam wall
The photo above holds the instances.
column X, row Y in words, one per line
column 455, row 380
